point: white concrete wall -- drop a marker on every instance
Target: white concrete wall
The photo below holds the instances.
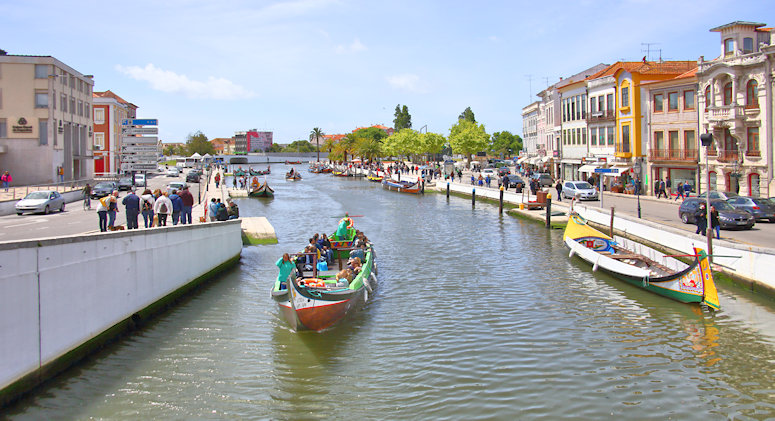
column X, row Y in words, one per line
column 56, row 294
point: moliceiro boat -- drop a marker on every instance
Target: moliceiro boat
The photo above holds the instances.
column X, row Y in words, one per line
column 312, row 299
column 260, row 189
column 404, row 186
column 293, row 176
column 643, row 266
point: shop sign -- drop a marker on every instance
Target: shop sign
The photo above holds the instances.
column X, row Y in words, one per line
column 21, row 126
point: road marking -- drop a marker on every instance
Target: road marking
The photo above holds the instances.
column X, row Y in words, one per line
column 27, row 223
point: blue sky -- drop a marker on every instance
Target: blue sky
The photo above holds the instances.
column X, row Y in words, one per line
column 289, row 66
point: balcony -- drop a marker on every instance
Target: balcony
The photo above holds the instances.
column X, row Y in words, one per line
column 623, row 150
column 673, row 155
column 601, row 116
column 721, row 113
column 728, row 155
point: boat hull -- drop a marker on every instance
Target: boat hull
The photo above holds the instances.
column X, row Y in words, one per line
column 402, row 187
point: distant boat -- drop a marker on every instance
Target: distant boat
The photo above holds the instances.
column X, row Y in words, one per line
column 643, row 266
column 294, row 176
column 403, row 186
column 292, row 162
column 313, row 300
column 260, row 172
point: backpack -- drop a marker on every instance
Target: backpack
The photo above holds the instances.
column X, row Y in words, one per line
column 163, row 208
column 147, row 205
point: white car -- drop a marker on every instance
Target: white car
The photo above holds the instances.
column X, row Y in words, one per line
column 580, row 189
column 173, row 172
column 42, row 201
column 140, row 180
column 489, row 171
column 175, row 185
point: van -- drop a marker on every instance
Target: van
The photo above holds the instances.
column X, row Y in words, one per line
column 544, row 179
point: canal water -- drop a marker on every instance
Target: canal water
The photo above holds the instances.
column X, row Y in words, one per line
column 477, row 316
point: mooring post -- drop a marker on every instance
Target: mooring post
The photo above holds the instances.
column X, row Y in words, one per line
column 473, row 196
column 549, row 210
column 447, row 189
column 611, row 228
column 500, row 206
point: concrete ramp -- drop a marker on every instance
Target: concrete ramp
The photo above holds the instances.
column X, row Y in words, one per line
column 257, row 230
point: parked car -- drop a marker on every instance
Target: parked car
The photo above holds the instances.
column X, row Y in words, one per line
column 544, row 179
column 173, row 172
column 515, row 181
column 580, row 189
column 489, row 171
column 175, row 185
column 41, row 201
column 758, row 207
column 103, row 189
column 723, row 195
column 503, row 171
column 140, row 180
column 125, row 183
column 729, row 217
column 192, row 177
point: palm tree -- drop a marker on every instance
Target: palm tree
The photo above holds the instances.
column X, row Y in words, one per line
column 316, row 133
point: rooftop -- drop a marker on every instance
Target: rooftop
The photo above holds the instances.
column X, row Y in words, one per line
column 737, row 23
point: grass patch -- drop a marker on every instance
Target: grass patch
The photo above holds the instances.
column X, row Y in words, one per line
column 250, row 241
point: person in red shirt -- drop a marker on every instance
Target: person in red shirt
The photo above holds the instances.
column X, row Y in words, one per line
column 188, row 203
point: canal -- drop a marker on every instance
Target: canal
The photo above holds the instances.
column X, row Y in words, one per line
column 477, row 316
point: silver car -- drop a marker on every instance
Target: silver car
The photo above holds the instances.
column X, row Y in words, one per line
column 580, row 189
column 42, row 201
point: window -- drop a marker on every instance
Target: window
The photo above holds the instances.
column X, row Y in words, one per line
column 41, row 71
column 572, row 109
column 626, row 97
column 752, row 94
column 658, row 103
column 583, row 136
column 593, row 136
column 600, row 100
column 99, row 141
column 609, row 102
column 708, row 98
column 3, row 128
column 72, row 105
column 690, row 141
column 728, row 94
column 753, row 141
column 63, row 103
column 592, row 103
column 72, row 81
column 688, row 100
column 86, row 111
column 729, row 47
column 659, row 140
column 54, row 99
column 583, row 106
column 712, row 178
column 41, row 100
column 43, row 131
column 626, row 139
column 80, row 108
column 611, row 135
column 672, row 101
column 747, row 45
column 753, row 184
column 673, row 139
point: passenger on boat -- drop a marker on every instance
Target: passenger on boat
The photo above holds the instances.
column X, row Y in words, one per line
column 286, row 266
column 355, row 265
column 359, row 252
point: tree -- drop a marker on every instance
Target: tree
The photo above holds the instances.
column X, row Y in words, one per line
column 299, row 146
column 505, row 143
column 432, row 143
column 368, row 142
column 403, row 119
column 467, row 115
column 468, row 138
column 403, row 142
column 275, row 148
column 198, row 143
column 316, row 134
column 342, row 148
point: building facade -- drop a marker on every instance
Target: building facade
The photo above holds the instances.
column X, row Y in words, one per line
column 530, row 129
column 109, row 110
column 601, row 124
column 573, row 100
column 258, row 141
column 240, row 143
column 735, row 94
column 45, row 120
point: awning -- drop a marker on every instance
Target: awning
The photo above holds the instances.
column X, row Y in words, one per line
column 535, row 160
column 588, row 168
column 545, row 159
column 521, row 160
column 617, row 171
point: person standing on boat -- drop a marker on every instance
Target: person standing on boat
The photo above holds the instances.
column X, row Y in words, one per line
column 701, row 219
column 286, row 267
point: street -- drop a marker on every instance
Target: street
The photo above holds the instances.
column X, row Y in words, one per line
column 75, row 220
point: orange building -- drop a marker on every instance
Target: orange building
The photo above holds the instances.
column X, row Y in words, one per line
column 109, row 109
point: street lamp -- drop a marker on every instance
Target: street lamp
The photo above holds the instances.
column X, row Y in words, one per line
column 707, row 140
column 636, row 183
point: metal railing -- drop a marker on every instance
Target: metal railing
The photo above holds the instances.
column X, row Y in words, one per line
column 673, row 154
column 18, row 192
column 728, row 155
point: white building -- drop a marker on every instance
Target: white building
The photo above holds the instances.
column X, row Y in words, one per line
column 735, row 102
column 45, row 120
column 601, row 124
column 530, row 129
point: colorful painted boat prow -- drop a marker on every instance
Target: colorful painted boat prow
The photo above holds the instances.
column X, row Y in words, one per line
column 643, row 266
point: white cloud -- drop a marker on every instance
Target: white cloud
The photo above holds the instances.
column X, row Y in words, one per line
column 493, row 38
column 171, row 82
column 407, row 82
column 355, row 47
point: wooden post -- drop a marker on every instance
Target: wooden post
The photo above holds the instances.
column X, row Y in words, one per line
column 549, row 211
column 611, row 228
column 447, row 189
column 500, row 206
column 473, row 196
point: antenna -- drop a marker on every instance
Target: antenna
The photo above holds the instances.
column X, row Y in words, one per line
column 546, row 80
column 530, row 84
column 646, row 48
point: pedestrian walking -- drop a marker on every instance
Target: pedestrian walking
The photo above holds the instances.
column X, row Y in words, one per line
column 687, row 188
column 177, row 206
column 162, row 207
column 558, row 187
column 188, row 204
column 217, row 179
column 147, row 200
column 131, row 204
column 669, row 188
column 701, row 219
column 680, row 190
column 715, row 224
column 212, row 208
column 87, row 196
column 6, row 179
column 661, row 189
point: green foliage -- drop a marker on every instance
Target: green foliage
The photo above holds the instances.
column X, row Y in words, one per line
column 403, row 119
column 468, row 138
column 403, row 142
column 467, row 115
column 299, row 146
column 368, row 142
column 198, row 143
column 432, row 143
column 505, row 143
column 275, row 148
